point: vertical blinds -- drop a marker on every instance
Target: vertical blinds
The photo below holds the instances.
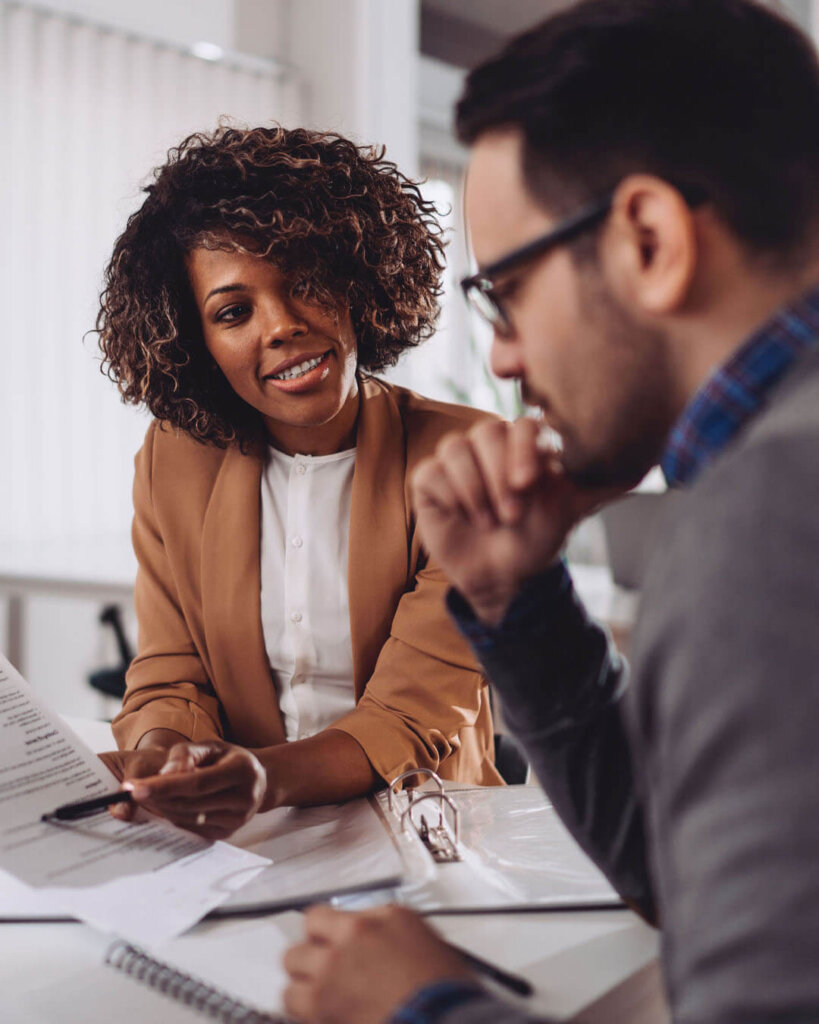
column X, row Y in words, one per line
column 85, row 114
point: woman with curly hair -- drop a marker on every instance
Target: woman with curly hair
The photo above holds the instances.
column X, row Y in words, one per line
column 294, row 646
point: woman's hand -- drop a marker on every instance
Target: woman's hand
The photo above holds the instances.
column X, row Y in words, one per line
column 210, row 788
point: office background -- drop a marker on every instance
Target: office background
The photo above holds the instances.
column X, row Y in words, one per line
column 92, row 94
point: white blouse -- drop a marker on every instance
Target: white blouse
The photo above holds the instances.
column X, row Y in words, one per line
column 305, row 513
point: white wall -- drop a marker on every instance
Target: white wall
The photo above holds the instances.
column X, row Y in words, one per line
column 182, row 24
column 89, row 113
column 359, row 60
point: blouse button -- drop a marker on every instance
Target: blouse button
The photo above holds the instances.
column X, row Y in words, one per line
column 295, row 617
column 301, row 469
column 297, row 542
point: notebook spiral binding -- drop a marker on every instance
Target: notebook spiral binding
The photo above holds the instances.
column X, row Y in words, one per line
column 184, row 988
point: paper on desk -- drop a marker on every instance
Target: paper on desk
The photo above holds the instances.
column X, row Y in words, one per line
column 317, row 852
column 145, row 882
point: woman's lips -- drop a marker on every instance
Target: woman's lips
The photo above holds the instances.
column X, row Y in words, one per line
column 306, row 381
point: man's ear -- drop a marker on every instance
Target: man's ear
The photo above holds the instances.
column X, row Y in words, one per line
column 650, row 245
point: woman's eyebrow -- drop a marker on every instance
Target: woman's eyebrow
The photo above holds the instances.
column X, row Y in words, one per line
column 237, row 287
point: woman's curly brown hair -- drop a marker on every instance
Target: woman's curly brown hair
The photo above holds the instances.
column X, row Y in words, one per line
column 339, row 218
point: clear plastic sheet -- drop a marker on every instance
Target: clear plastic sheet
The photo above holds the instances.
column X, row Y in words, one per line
column 515, row 854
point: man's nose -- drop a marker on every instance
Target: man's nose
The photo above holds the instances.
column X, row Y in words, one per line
column 505, row 357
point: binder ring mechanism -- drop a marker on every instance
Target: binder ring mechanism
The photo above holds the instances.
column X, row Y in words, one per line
column 440, row 839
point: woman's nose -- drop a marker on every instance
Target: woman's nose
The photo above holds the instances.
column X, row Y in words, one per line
column 281, row 321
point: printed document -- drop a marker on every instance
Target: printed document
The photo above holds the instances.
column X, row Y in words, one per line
column 143, row 881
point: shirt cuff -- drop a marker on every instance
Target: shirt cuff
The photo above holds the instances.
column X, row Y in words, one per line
column 534, row 598
column 430, row 1003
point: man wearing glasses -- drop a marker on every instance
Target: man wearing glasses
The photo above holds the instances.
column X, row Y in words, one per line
column 643, row 200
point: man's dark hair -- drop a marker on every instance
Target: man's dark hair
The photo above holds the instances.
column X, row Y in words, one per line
column 719, row 95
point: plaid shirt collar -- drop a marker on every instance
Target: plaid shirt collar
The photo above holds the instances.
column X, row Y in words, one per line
column 738, row 389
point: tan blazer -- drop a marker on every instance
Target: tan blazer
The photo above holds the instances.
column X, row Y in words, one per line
column 202, row 668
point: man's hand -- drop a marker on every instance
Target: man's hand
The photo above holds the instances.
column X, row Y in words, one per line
column 211, row 788
column 494, row 510
column 359, row 968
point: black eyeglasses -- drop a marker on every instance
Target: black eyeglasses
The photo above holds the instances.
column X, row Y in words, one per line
column 480, row 290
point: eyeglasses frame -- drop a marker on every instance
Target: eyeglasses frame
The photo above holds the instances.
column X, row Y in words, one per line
column 584, row 220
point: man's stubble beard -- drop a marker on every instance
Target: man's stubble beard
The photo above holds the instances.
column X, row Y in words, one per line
column 637, row 427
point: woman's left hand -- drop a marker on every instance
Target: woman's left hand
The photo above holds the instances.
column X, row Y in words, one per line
column 210, row 788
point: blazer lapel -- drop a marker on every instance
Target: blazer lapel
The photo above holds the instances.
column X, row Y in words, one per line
column 378, row 567
column 231, row 601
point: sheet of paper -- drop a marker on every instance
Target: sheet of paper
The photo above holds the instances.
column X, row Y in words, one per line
column 317, row 852
column 143, row 881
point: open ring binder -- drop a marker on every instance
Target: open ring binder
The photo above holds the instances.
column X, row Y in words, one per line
column 483, row 848
column 441, row 842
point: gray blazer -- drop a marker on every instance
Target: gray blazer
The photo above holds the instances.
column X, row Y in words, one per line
column 696, row 786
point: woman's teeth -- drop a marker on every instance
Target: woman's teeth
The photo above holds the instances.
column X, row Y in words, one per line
column 299, row 370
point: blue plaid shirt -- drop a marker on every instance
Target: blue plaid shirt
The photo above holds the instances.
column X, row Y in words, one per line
column 738, row 389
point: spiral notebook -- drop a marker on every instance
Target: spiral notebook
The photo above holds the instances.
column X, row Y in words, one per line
column 227, row 971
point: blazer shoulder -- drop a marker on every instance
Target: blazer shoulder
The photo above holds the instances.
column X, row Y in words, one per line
column 173, row 464
column 427, row 420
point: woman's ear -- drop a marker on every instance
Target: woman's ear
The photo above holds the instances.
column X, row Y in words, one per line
column 650, row 245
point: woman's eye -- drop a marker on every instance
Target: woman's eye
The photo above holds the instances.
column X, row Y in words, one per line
column 231, row 313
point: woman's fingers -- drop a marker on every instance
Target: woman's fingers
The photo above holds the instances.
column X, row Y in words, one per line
column 234, row 769
column 114, row 762
column 189, row 807
column 213, row 818
column 124, row 812
column 214, row 826
column 209, row 788
column 128, row 765
column 182, row 757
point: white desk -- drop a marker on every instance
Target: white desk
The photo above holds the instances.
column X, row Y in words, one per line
column 589, row 966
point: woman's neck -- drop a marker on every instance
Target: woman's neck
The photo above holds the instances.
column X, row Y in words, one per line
column 337, row 435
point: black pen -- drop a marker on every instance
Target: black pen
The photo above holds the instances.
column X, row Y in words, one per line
column 70, row 812
column 511, row 981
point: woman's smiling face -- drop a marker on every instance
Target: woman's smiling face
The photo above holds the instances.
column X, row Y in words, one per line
column 292, row 360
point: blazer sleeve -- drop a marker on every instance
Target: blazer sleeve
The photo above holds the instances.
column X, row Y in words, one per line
column 425, row 688
column 167, row 683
